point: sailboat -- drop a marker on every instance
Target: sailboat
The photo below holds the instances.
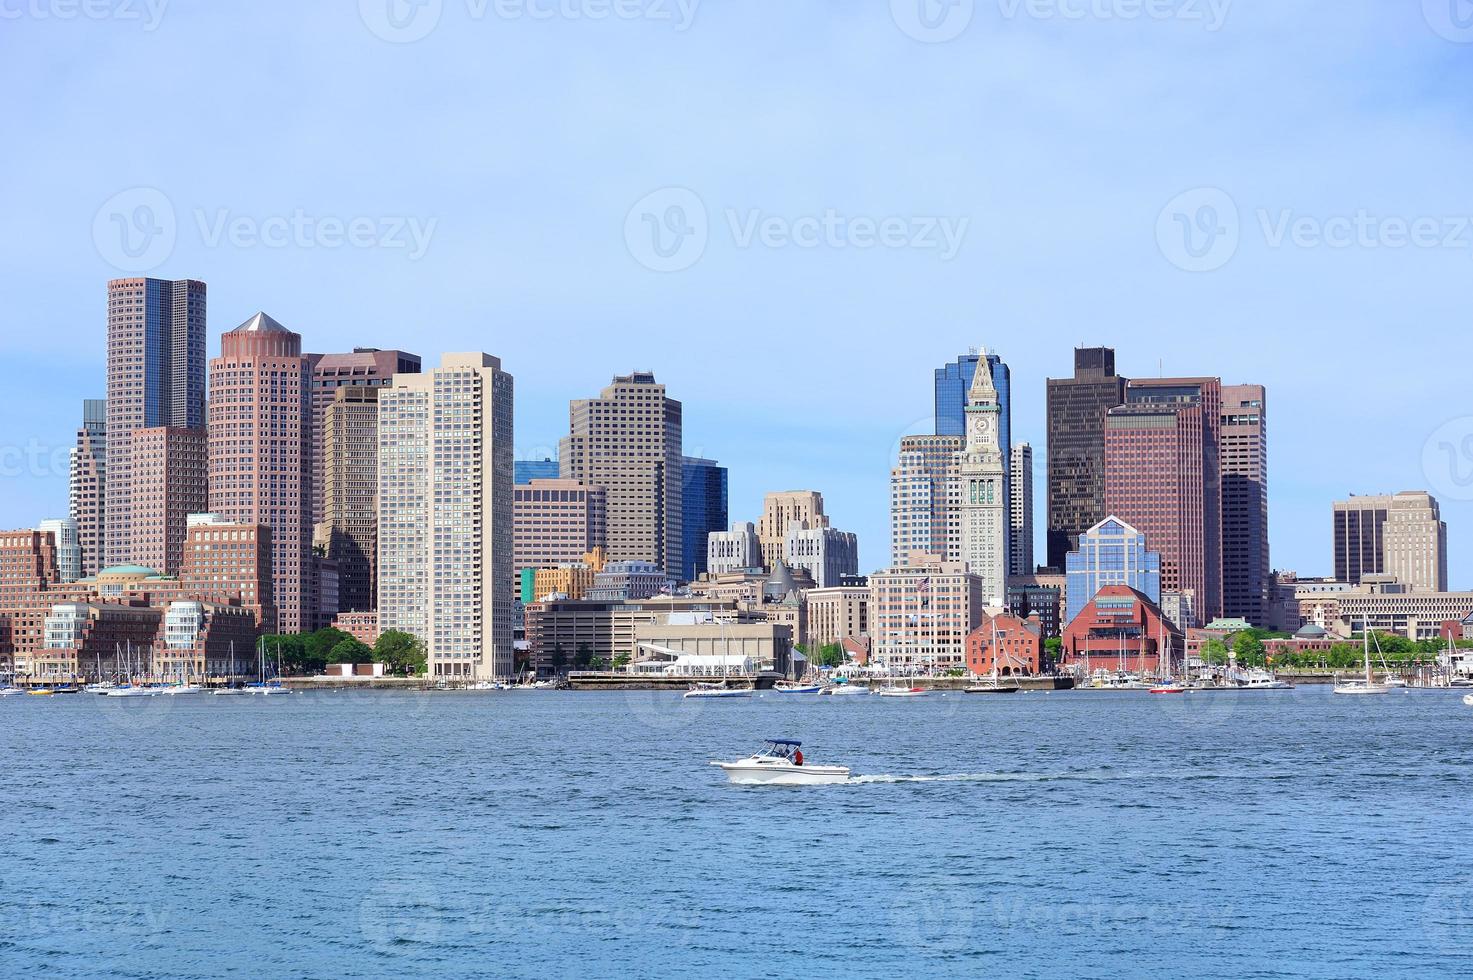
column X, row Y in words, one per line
column 1369, row 685
column 995, row 687
column 1168, row 683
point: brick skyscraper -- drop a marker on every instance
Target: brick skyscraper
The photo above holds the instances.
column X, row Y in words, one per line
column 1076, row 447
column 155, row 377
column 170, row 482
column 628, row 441
column 259, row 439
column 1161, row 476
column 1246, row 569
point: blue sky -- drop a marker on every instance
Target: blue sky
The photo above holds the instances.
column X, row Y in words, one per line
column 1068, row 145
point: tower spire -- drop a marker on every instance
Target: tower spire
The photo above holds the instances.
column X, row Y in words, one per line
column 983, row 391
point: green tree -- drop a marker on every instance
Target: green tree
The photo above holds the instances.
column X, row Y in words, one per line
column 320, row 644
column 401, row 652
column 1214, row 652
column 1249, row 649
column 289, row 648
column 350, row 651
column 559, row 659
column 583, row 658
column 831, row 655
column 621, row 661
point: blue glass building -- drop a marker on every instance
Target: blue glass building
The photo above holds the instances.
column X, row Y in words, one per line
column 954, row 380
column 1110, row 553
column 703, row 510
column 526, row 470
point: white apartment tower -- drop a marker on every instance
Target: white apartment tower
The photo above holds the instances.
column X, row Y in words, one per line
column 445, row 514
column 984, row 499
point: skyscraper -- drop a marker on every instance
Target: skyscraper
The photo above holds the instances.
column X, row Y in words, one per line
column 1076, row 447
column 1020, row 511
column 984, row 521
column 259, row 437
column 527, row 470
column 954, row 382
column 781, row 509
column 1161, row 476
column 925, row 499
column 445, row 514
column 829, row 554
column 703, row 511
column 1110, row 553
column 628, row 441
column 1392, row 534
column 557, row 522
column 87, row 487
column 155, row 377
column 170, row 481
column 1246, row 569
column 365, row 367
column 350, row 493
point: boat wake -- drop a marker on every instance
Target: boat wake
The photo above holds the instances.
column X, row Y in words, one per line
column 1097, row 775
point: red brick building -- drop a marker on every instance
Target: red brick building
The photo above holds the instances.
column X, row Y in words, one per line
column 1118, row 628
column 1017, row 650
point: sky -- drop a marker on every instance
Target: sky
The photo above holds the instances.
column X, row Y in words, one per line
column 791, row 212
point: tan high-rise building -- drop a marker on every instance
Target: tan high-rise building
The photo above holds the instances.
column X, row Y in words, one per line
column 445, row 514
column 837, row 613
column 921, row 613
column 628, row 441
column 1391, row 534
column 782, row 509
column 1416, row 542
column 350, row 493
column 170, row 480
column 556, row 522
column 925, row 499
column 259, row 445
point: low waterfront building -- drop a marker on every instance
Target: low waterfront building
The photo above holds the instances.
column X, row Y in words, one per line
column 702, row 645
column 1008, row 644
column 1119, row 628
column 621, row 581
column 361, row 625
column 922, row 613
column 835, row 613
column 565, row 634
column 1389, row 606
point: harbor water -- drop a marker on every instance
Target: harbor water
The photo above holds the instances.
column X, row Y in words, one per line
column 547, row 833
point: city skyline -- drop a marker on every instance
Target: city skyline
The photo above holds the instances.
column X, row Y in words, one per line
column 1053, row 257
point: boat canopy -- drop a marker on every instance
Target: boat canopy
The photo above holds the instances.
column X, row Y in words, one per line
column 783, row 741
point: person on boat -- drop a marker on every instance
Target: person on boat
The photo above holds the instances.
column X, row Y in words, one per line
column 797, row 757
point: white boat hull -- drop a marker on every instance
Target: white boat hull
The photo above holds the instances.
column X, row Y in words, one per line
column 717, row 694
column 751, row 772
column 1362, row 689
column 849, row 690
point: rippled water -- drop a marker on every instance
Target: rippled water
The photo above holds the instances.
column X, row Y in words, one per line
column 539, row 833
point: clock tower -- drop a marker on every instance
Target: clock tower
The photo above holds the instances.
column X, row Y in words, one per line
column 984, row 517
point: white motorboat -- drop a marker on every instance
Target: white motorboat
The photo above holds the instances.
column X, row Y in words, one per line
column 6, row 691
column 780, row 763
column 1258, row 679
column 223, row 692
column 789, row 687
column 131, row 692
column 903, row 692
column 847, row 690
column 181, row 689
column 716, row 691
